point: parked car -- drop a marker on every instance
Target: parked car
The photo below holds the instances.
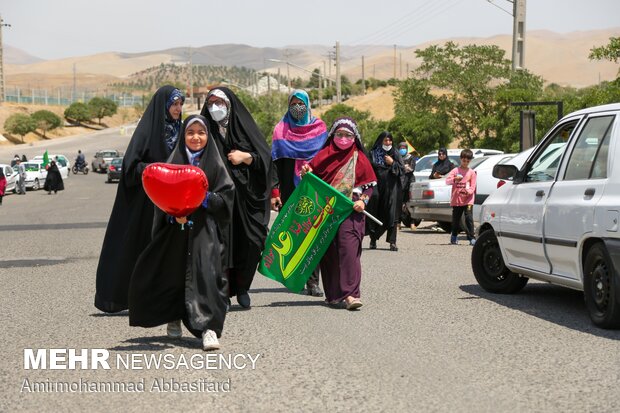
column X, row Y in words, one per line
column 557, row 220
column 35, row 174
column 430, row 200
column 11, row 178
column 424, row 165
column 115, row 169
column 64, row 166
column 103, row 158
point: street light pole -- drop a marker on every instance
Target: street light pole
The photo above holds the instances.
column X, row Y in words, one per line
column 2, row 91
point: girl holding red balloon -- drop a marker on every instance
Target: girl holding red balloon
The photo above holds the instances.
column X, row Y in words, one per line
column 181, row 274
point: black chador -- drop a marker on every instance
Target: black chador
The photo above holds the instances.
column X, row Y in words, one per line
column 180, row 275
column 251, row 212
column 131, row 221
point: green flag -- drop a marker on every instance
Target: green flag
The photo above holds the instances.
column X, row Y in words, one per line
column 303, row 230
column 46, row 159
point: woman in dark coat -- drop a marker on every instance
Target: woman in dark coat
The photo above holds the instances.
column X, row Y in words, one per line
column 131, row 221
column 180, row 275
column 386, row 201
column 247, row 157
column 53, row 180
column 343, row 164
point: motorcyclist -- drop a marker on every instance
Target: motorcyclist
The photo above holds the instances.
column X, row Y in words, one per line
column 80, row 161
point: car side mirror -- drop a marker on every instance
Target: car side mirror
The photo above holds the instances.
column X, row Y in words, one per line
column 506, row 172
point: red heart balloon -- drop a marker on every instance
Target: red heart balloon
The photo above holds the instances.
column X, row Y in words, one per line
column 178, row 190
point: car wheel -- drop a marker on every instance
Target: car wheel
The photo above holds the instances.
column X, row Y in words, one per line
column 601, row 288
column 35, row 185
column 445, row 225
column 109, row 180
column 489, row 268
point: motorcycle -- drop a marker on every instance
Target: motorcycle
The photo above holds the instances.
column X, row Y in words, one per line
column 80, row 168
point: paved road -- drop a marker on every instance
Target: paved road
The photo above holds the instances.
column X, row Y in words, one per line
column 427, row 339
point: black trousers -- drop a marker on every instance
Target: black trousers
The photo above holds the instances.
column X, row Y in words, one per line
column 457, row 212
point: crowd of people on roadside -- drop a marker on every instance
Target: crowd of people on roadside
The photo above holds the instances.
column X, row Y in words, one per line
column 178, row 271
column 53, row 179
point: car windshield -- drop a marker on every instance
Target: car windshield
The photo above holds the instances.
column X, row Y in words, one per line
column 426, row 162
column 109, row 154
column 117, row 161
column 31, row 167
column 474, row 163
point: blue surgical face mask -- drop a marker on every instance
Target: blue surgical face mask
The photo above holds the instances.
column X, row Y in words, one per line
column 402, row 151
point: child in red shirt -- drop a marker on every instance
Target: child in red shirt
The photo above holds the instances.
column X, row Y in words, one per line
column 463, row 181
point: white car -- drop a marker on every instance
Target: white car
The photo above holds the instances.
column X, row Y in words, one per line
column 11, row 178
column 424, row 165
column 558, row 219
column 486, row 183
column 35, row 174
column 64, row 166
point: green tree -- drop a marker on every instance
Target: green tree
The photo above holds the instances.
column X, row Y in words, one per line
column 609, row 52
column 473, row 86
column 102, row 107
column 20, row 124
column 78, row 112
column 46, row 120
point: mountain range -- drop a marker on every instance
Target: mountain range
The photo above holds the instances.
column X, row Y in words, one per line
column 558, row 58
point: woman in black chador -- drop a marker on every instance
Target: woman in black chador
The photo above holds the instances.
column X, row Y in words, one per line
column 386, row 201
column 131, row 221
column 53, row 180
column 247, row 157
column 180, row 275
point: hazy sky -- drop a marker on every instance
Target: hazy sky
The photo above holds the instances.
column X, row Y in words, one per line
column 61, row 28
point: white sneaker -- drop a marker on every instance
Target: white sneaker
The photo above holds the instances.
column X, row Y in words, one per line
column 209, row 341
column 174, row 329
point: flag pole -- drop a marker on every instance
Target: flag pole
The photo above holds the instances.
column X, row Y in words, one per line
column 373, row 218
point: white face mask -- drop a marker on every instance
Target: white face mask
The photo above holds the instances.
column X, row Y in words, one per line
column 386, row 147
column 218, row 112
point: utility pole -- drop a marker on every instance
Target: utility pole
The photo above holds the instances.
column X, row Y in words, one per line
column 190, row 93
column 394, row 77
column 320, row 87
column 325, row 71
column 363, row 78
column 288, row 70
column 338, row 81
column 400, row 63
column 3, row 91
column 74, row 92
column 518, row 35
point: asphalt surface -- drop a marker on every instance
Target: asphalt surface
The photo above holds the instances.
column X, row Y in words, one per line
column 427, row 338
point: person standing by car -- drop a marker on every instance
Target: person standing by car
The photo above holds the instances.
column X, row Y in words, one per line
column 14, row 160
column 131, row 221
column 53, row 180
column 296, row 139
column 442, row 166
column 463, row 181
column 408, row 177
column 386, row 201
column 2, row 184
column 21, row 177
column 247, row 158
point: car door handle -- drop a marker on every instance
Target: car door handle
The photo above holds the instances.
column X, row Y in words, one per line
column 589, row 192
column 540, row 193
